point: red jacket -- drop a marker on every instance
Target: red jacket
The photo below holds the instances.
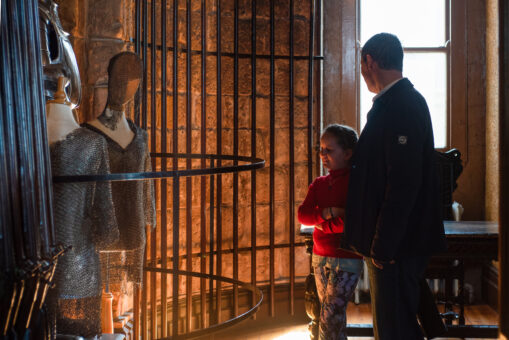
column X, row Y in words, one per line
column 326, row 191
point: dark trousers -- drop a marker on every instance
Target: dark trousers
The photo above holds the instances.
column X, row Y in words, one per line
column 395, row 298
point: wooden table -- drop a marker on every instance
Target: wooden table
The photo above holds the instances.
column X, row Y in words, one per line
column 468, row 242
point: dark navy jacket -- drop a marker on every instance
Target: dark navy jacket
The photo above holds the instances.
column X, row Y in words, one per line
column 393, row 203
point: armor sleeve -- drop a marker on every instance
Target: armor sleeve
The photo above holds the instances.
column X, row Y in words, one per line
column 103, row 212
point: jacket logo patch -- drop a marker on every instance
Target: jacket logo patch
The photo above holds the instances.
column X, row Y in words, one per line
column 402, row 140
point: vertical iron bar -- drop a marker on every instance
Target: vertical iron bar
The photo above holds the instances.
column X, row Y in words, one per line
column 253, row 148
column 164, row 182
column 235, row 152
column 272, row 158
column 318, row 96
column 144, row 297
column 153, row 51
column 203, row 149
column 153, row 71
column 310, row 89
column 137, row 46
column 144, row 302
column 136, row 310
column 137, row 49
column 176, row 186
column 189, row 185
column 219, row 230
column 175, row 85
column 145, row 47
column 211, row 247
column 176, row 207
column 292, row 167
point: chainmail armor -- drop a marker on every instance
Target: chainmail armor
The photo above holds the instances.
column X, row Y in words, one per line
column 134, row 207
column 84, row 219
column 110, row 118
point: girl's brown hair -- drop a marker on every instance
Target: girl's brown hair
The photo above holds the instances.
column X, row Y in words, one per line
column 345, row 136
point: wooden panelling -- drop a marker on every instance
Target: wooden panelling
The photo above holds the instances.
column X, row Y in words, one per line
column 504, row 171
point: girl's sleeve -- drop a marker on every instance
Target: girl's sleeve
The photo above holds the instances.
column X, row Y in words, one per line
column 334, row 226
column 309, row 213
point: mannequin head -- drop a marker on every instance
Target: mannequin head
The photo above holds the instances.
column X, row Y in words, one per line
column 124, row 76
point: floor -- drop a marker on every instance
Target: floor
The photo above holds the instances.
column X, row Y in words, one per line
column 361, row 314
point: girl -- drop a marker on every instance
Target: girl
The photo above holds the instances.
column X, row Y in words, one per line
column 336, row 271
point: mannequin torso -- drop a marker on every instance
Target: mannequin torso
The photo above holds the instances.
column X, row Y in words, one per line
column 60, row 121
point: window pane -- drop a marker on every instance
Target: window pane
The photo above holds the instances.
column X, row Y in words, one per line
column 427, row 71
column 416, row 23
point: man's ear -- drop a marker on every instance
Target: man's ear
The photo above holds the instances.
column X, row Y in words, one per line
column 348, row 154
column 369, row 62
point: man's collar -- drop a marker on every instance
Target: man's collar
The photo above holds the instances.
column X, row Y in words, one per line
column 385, row 89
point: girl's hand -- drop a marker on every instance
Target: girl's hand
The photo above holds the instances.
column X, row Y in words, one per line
column 338, row 212
column 326, row 213
column 332, row 212
column 318, row 226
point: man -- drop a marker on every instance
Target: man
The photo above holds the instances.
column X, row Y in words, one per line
column 393, row 214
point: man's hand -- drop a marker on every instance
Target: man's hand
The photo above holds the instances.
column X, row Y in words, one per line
column 318, row 226
column 379, row 264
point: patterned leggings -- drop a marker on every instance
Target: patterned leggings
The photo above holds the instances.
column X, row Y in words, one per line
column 335, row 288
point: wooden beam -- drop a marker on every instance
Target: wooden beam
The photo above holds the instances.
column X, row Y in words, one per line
column 503, row 282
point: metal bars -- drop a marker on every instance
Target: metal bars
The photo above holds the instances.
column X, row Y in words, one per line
column 228, row 234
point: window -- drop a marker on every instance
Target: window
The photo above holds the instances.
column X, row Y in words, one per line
column 423, row 29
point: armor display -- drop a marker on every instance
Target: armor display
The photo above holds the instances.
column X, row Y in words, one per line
column 84, row 219
column 128, row 152
column 134, row 205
